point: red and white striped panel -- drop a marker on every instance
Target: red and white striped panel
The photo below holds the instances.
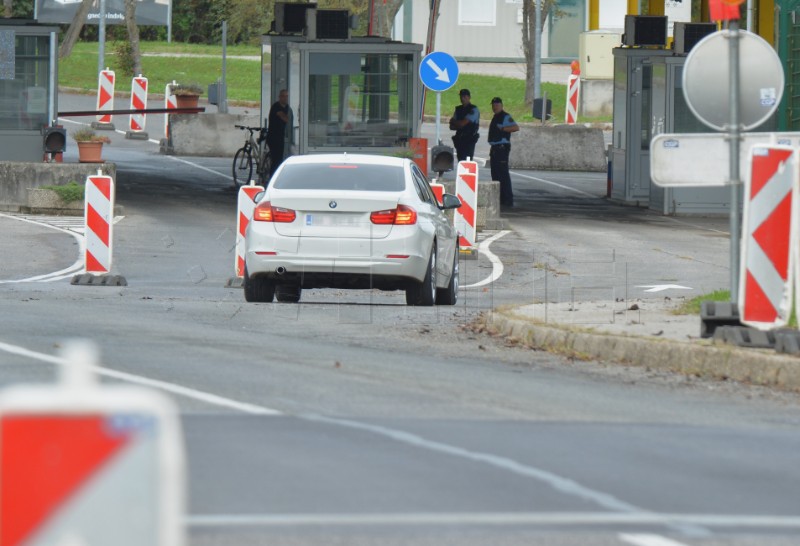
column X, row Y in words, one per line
column 99, row 220
column 170, row 103
column 438, row 191
column 138, row 102
column 105, row 94
column 466, row 217
column 244, row 214
column 769, row 235
column 573, row 96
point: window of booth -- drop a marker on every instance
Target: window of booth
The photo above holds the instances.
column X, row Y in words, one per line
column 360, row 99
column 23, row 96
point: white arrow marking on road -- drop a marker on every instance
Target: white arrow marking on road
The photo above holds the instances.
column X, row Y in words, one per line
column 662, row 287
column 441, row 75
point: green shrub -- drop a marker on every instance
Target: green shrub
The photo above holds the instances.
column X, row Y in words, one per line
column 124, row 53
column 72, row 191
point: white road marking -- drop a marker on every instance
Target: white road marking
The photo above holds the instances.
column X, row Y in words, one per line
column 543, row 181
column 662, row 287
column 504, row 518
column 212, row 171
column 497, row 265
column 649, row 540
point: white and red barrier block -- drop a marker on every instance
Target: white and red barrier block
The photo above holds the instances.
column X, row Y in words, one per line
column 99, row 221
column 438, row 191
column 138, row 102
column 246, row 206
column 769, row 237
column 573, row 98
column 105, row 95
column 466, row 217
column 170, row 103
column 83, row 463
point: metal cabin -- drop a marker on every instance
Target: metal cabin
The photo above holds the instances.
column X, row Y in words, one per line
column 357, row 95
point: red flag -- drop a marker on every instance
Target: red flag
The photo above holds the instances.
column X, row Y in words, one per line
column 723, row 10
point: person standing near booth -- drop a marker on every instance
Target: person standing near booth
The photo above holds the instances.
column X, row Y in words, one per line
column 465, row 122
column 278, row 121
column 500, row 129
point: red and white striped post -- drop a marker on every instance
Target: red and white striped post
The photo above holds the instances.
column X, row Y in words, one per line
column 99, row 223
column 769, row 235
column 246, row 206
column 138, row 102
column 438, row 191
column 170, row 103
column 573, row 94
column 105, row 99
column 466, row 216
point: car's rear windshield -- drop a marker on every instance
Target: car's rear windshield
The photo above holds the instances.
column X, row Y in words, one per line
column 340, row 176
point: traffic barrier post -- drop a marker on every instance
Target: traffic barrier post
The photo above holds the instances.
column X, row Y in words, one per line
column 244, row 213
column 170, row 103
column 573, row 97
column 85, row 463
column 138, row 102
column 105, row 99
column 465, row 218
column 769, row 235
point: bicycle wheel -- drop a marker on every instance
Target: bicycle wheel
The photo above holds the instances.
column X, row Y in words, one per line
column 266, row 170
column 242, row 167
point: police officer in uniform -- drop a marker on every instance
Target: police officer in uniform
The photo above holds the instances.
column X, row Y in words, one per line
column 465, row 122
column 500, row 129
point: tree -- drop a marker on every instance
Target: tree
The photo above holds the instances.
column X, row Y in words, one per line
column 74, row 29
column 528, row 42
column 383, row 14
column 7, row 11
column 133, row 35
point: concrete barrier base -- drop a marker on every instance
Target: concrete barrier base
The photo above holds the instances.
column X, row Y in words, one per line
column 488, row 216
column 558, row 148
column 212, row 135
column 17, row 178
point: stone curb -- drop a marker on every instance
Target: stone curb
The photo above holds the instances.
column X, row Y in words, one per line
column 701, row 358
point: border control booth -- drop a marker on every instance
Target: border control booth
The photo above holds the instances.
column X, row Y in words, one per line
column 28, row 87
column 359, row 95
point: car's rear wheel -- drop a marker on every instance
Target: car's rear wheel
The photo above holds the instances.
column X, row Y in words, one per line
column 258, row 289
column 449, row 295
column 287, row 293
column 424, row 293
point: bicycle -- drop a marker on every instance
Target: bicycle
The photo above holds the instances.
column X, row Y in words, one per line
column 243, row 159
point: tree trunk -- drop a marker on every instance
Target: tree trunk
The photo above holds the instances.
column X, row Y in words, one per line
column 528, row 43
column 74, row 29
column 133, row 35
column 383, row 14
column 7, row 12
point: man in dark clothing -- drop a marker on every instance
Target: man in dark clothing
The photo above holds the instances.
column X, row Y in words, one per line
column 278, row 121
column 500, row 129
column 465, row 122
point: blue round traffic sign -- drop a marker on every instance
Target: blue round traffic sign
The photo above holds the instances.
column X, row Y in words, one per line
column 438, row 71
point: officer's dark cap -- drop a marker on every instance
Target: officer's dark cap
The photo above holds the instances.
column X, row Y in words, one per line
column 464, row 92
column 497, row 100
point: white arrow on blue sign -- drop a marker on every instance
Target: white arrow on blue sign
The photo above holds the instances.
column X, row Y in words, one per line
column 438, row 71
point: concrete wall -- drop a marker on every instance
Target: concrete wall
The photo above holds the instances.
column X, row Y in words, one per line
column 488, row 203
column 558, row 148
column 597, row 98
column 211, row 135
column 17, row 177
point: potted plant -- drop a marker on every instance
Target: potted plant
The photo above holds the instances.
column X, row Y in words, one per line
column 90, row 145
column 187, row 94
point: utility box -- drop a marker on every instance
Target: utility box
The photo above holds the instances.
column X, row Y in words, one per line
column 595, row 52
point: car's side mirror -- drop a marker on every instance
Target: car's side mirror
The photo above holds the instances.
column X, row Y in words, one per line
column 259, row 196
column 450, row 201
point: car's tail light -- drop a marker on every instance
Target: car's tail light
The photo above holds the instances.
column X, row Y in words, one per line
column 403, row 215
column 265, row 212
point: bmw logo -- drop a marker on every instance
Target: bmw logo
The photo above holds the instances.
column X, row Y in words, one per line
column 332, row 204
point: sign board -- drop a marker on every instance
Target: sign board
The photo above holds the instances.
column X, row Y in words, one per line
column 148, row 12
column 438, row 71
column 706, row 77
column 82, row 463
column 703, row 159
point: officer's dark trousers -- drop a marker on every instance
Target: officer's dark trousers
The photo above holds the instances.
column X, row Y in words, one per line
column 465, row 148
column 275, row 155
column 498, row 157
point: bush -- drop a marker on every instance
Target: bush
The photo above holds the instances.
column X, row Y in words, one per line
column 124, row 54
column 69, row 192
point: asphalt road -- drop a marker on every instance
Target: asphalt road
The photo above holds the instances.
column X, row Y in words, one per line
column 353, row 419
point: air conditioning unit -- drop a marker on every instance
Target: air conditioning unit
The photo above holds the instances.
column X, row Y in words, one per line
column 686, row 35
column 645, row 30
column 290, row 17
column 333, row 24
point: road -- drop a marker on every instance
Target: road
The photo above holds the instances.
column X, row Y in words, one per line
column 353, row 419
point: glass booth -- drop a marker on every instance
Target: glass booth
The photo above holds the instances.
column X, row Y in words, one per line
column 360, row 95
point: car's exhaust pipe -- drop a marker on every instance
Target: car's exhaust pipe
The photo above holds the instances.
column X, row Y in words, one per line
column 280, row 270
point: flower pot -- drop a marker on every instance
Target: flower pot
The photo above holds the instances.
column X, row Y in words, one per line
column 186, row 101
column 90, row 152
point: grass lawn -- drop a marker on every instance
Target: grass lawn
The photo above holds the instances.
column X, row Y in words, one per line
column 161, row 64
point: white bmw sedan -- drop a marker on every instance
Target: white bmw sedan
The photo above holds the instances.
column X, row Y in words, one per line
column 351, row 221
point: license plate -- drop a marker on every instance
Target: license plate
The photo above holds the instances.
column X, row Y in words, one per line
column 339, row 220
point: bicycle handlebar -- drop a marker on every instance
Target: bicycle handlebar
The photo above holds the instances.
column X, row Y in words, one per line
column 243, row 127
